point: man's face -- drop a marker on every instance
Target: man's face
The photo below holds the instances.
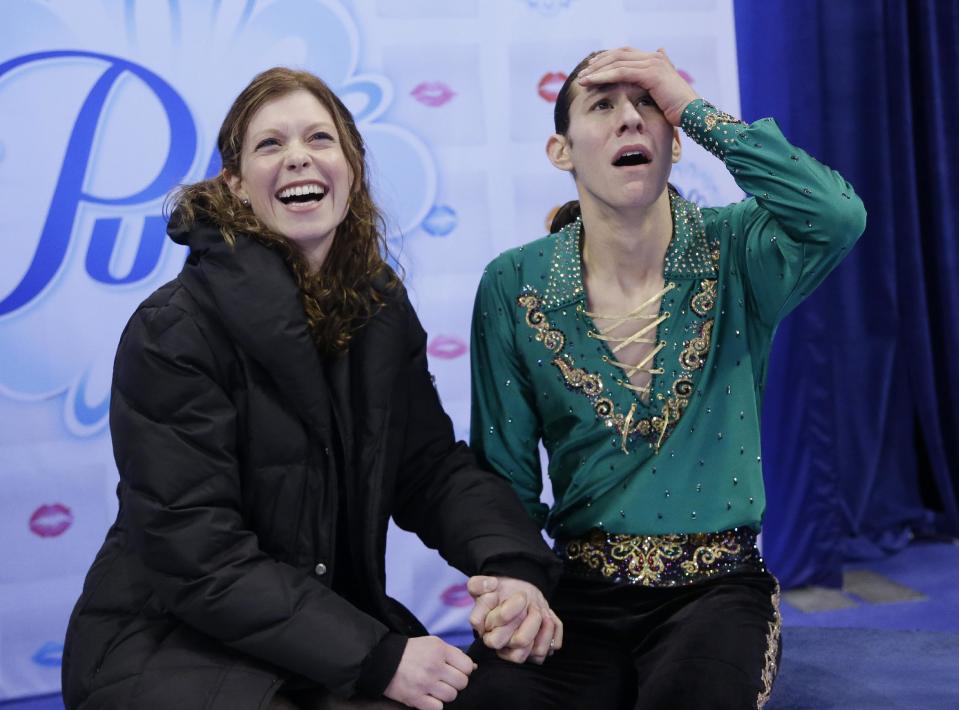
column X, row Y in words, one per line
column 619, row 146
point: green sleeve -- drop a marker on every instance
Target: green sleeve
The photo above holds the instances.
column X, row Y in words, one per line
column 801, row 220
column 505, row 429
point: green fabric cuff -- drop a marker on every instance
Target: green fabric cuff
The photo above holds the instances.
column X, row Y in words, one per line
column 711, row 128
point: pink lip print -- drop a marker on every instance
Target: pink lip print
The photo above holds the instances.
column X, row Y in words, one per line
column 686, row 75
column 51, row 520
column 432, row 93
column 447, row 347
column 456, row 595
column 550, row 85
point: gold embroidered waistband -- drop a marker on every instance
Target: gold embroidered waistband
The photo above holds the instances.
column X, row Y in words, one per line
column 661, row 560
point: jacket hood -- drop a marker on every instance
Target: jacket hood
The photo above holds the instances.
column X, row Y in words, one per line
column 197, row 235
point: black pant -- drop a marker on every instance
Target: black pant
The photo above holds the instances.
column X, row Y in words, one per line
column 709, row 645
column 321, row 700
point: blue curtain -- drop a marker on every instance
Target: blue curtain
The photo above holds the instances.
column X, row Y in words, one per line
column 861, row 412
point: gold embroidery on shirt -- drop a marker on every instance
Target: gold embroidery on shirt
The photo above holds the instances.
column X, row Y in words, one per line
column 693, row 355
column 655, row 428
column 578, row 378
column 554, row 340
column 702, row 303
column 714, row 117
column 604, row 407
column 693, row 252
column 683, row 387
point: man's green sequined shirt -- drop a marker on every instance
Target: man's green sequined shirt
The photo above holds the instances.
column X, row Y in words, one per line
column 689, row 459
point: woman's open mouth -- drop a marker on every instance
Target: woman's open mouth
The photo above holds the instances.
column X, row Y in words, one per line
column 301, row 194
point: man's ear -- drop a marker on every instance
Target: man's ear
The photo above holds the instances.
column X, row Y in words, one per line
column 677, row 146
column 557, row 150
column 235, row 183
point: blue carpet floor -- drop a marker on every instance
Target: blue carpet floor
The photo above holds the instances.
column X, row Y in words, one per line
column 867, row 669
column 929, row 568
column 866, row 656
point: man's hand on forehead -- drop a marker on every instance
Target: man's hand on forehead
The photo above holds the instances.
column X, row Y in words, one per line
column 650, row 70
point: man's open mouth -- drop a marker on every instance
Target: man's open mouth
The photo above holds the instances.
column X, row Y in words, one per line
column 631, row 157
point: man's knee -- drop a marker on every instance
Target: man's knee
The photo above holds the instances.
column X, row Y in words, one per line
column 701, row 684
column 498, row 685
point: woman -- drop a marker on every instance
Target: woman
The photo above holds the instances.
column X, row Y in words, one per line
column 271, row 409
column 633, row 342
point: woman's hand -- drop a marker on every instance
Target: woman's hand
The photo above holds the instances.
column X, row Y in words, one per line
column 651, row 70
column 431, row 673
column 514, row 618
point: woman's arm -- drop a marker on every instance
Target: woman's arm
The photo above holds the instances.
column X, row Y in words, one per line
column 477, row 522
column 468, row 514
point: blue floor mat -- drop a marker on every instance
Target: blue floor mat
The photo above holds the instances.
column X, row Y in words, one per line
column 867, row 669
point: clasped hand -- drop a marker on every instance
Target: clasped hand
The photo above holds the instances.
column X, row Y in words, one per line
column 514, row 618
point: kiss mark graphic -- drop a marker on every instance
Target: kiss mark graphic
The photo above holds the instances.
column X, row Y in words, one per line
column 456, row 595
column 550, row 85
column 432, row 93
column 51, row 520
column 49, row 654
column 447, row 347
column 440, row 221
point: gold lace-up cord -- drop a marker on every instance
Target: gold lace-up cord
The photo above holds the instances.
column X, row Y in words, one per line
column 635, row 313
column 626, row 424
column 631, row 370
column 637, row 337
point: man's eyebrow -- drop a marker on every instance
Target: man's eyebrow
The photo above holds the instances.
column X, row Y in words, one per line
column 612, row 86
column 600, row 88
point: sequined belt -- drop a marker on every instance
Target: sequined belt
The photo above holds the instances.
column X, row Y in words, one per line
column 661, row 560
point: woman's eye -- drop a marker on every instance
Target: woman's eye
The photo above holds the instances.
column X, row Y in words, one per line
column 603, row 104
column 321, row 136
column 266, row 142
column 646, row 101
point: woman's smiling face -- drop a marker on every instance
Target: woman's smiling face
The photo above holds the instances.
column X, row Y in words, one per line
column 294, row 173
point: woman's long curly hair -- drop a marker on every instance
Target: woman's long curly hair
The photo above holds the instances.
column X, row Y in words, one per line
column 342, row 294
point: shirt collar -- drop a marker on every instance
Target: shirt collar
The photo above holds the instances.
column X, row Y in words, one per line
column 690, row 254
